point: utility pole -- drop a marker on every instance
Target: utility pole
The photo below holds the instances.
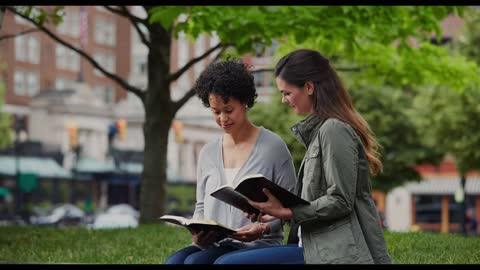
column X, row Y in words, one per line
column 463, row 208
column 460, row 199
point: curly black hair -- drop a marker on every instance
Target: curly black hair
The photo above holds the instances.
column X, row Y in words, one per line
column 227, row 78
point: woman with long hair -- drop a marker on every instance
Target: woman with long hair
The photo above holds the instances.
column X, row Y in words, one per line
column 341, row 224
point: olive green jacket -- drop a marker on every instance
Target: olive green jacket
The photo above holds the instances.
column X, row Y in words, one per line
column 341, row 225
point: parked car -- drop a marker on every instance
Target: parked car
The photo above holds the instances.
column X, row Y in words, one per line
column 111, row 221
column 64, row 215
column 123, row 209
column 117, row 216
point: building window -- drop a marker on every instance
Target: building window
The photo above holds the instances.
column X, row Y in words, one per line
column 20, row 48
column 428, row 210
column 71, row 23
column 27, row 49
column 106, row 60
column 62, row 83
column 105, row 31
column 67, row 58
column 27, row 83
column 272, row 48
column 263, row 79
column 33, row 83
column 109, row 95
column 19, row 79
column 105, row 93
column 143, row 68
column 33, row 50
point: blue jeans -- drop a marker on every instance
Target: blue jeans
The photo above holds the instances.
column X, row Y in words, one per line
column 286, row 254
column 194, row 255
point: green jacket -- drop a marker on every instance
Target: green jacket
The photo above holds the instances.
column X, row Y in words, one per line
column 341, row 225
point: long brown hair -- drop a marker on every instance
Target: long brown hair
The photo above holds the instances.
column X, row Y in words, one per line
column 330, row 99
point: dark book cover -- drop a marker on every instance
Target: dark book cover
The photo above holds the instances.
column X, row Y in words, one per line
column 251, row 187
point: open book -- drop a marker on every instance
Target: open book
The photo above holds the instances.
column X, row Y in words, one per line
column 251, row 187
column 196, row 225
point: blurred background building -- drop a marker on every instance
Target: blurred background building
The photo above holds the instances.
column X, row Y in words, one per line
column 95, row 128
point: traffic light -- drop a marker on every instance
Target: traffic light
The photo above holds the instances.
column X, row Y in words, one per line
column 178, row 129
column 122, row 128
column 73, row 135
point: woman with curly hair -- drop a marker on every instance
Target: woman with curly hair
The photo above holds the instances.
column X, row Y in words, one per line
column 227, row 88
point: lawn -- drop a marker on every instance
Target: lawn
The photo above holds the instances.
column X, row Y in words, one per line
column 152, row 244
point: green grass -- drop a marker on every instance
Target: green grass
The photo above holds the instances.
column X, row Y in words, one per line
column 185, row 194
column 152, row 244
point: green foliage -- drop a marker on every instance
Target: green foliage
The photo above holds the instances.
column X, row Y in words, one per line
column 468, row 41
column 166, row 15
column 42, row 16
column 451, row 120
column 389, row 76
column 333, row 29
column 152, row 244
column 369, row 41
column 6, row 138
column 386, row 111
column 182, row 198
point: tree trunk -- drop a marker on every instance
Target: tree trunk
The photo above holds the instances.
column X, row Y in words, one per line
column 159, row 114
column 153, row 187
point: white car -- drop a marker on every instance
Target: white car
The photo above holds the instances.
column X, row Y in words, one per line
column 60, row 216
column 113, row 220
column 123, row 209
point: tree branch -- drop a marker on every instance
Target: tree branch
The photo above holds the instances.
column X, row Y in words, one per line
column 263, row 70
column 348, row 69
column 126, row 13
column 343, row 69
column 132, row 19
column 7, row 36
column 92, row 61
column 220, row 53
column 123, row 11
column 178, row 73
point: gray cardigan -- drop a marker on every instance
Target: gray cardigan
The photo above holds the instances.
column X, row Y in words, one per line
column 269, row 156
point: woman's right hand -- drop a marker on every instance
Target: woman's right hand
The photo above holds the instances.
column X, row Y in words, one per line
column 261, row 217
column 204, row 239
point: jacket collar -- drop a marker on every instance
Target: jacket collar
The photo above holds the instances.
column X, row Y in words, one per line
column 304, row 130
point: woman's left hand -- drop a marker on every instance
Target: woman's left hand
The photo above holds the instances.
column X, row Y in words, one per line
column 248, row 233
column 272, row 207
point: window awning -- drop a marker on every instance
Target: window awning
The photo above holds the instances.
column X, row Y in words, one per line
column 40, row 166
column 444, row 186
column 90, row 165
